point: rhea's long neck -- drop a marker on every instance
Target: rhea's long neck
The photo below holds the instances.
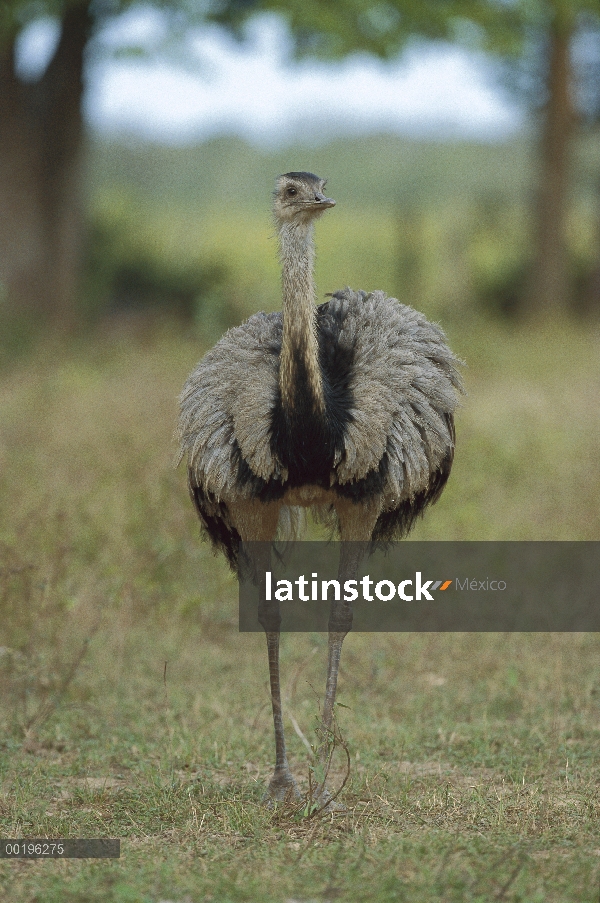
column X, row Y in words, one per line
column 300, row 377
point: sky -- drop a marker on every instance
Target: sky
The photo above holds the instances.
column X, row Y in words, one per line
column 214, row 85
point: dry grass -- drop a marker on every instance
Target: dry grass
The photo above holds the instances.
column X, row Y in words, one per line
column 474, row 771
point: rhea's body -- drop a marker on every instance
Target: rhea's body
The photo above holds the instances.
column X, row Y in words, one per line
column 351, row 402
column 378, row 430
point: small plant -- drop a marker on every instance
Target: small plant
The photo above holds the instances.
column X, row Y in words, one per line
column 40, row 656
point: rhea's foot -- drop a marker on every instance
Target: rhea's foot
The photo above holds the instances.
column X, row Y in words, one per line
column 282, row 787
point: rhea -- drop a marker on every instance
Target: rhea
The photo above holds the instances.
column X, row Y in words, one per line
column 344, row 407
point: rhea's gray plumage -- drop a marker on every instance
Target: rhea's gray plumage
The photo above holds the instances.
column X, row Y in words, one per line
column 402, row 385
column 347, row 406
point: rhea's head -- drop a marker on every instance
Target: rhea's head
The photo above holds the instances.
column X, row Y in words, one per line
column 299, row 198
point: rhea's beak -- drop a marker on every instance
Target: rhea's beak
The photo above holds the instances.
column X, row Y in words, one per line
column 322, row 201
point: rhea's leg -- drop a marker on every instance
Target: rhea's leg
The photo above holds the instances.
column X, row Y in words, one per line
column 356, row 529
column 340, row 623
column 282, row 783
column 259, row 524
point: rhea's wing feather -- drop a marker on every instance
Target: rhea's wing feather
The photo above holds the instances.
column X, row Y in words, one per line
column 216, row 522
column 404, row 387
column 226, row 407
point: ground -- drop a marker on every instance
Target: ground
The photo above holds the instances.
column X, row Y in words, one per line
column 131, row 707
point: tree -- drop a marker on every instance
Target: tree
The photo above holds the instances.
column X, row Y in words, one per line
column 511, row 29
column 41, row 148
column 549, row 277
column 562, row 94
column 40, row 155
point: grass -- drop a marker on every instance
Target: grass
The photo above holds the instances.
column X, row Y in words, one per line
column 131, row 707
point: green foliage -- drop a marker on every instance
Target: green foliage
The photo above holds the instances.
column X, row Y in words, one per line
column 382, row 28
column 416, row 219
column 16, row 14
column 133, row 267
column 225, row 175
column 329, row 29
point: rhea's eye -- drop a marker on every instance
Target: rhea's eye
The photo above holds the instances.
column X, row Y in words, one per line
column 291, row 192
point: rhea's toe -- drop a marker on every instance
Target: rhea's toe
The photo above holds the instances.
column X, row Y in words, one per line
column 282, row 788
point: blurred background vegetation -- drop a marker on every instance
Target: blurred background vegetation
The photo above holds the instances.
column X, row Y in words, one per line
column 444, row 226
column 89, row 227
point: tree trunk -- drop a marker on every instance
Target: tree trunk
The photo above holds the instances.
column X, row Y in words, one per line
column 41, row 138
column 550, row 284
